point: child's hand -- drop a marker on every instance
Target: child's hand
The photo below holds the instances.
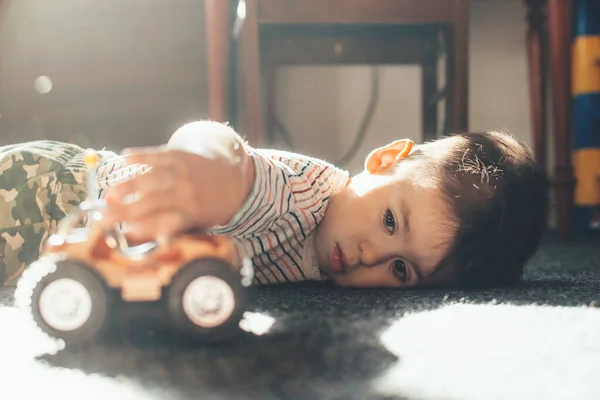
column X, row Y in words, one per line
column 180, row 191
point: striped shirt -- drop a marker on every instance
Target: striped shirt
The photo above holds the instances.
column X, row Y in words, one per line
column 275, row 226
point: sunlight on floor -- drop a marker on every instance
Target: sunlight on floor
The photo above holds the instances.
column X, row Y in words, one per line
column 19, row 346
column 23, row 340
column 470, row 351
column 257, row 323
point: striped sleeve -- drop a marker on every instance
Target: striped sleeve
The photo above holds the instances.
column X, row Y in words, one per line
column 288, row 200
column 114, row 171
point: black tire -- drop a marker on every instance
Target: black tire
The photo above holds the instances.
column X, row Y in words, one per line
column 232, row 300
column 33, row 289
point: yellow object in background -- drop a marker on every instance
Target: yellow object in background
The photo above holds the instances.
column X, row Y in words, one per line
column 585, row 72
column 586, row 163
column 585, row 116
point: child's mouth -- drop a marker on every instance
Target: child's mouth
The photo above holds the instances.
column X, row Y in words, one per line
column 336, row 263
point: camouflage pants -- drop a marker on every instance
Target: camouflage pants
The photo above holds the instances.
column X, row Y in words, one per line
column 40, row 182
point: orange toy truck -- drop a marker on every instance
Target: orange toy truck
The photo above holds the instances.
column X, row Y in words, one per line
column 83, row 268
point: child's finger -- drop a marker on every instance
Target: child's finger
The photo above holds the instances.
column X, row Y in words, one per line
column 143, row 149
column 156, row 179
column 157, row 226
column 154, row 156
column 154, row 202
column 114, row 177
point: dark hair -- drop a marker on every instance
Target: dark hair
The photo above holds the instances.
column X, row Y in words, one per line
column 499, row 197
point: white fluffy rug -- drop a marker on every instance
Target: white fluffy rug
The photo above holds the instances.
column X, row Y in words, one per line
column 495, row 352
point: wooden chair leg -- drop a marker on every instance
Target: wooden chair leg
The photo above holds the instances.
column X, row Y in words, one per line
column 250, row 97
column 270, row 105
column 217, row 53
column 457, row 80
column 536, row 47
column 559, row 26
column 429, row 89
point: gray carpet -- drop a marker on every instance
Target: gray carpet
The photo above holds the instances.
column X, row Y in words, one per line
column 538, row 341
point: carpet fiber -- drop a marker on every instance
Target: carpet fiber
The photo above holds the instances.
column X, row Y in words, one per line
column 310, row 341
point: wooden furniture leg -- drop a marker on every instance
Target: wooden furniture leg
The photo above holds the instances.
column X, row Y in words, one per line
column 429, row 91
column 457, row 79
column 559, row 18
column 270, row 82
column 536, row 49
column 217, row 63
column 250, row 93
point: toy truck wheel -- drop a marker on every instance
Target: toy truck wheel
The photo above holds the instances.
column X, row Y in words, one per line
column 69, row 303
column 206, row 300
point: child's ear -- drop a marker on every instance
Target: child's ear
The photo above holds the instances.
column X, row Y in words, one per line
column 388, row 155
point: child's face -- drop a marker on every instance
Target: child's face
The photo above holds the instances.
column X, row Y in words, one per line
column 386, row 229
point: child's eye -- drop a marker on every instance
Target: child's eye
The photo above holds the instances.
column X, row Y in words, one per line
column 400, row 270
column 389, row 221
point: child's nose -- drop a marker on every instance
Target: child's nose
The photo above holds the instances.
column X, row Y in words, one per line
column 369, row 254
column 374, row 252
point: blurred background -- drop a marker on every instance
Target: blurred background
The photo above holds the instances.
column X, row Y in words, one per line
column 129, row 72
column 118, row 73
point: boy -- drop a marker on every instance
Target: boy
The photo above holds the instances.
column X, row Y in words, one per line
column 467, row 210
